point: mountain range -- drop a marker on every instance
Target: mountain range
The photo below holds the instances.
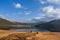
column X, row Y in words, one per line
column 53, row 26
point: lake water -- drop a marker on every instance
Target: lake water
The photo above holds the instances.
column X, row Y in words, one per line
column 29, row 30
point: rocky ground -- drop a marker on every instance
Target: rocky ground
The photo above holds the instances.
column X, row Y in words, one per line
column 10, row 35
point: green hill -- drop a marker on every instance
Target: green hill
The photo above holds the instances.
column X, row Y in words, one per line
column 5, row 24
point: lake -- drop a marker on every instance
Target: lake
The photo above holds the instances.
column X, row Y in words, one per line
column 29, row 30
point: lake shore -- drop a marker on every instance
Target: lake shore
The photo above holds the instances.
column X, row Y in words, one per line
column 11, row 35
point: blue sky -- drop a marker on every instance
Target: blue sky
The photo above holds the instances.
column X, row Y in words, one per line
column 27, row 10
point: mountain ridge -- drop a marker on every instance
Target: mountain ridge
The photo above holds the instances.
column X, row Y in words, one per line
column 53, row 25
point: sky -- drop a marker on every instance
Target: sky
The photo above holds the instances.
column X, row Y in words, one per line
column 29, row 10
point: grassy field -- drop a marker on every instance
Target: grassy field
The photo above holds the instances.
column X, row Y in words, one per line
column 10, row 35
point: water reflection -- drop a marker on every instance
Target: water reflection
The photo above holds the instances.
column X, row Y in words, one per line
column 29, row 30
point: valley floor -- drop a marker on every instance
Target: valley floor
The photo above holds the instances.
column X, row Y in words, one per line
column 10, row 35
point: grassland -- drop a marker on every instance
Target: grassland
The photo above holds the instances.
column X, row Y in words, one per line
column 10, row 35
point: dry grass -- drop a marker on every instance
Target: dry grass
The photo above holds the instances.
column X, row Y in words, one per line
column 10, row 35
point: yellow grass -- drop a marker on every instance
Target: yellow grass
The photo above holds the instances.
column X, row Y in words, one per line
column 10, row 35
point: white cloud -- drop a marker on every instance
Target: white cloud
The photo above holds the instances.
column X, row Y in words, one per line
column 57, row 2
column 27, row 12
column 54, row 1
column 42, row 2
column 37, row 17
column 48, row 9
column 17, row 5
column 49, row 13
